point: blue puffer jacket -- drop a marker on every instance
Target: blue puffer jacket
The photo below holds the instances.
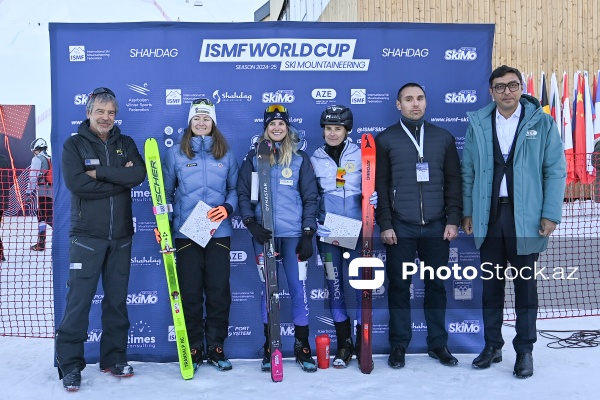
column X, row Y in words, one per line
column 201, row 178
column 539, row 174
column 344, row 201
column 294, row 196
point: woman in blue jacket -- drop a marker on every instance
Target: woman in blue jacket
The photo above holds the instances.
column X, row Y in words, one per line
column 338, row 168
column 203, row 168
column 294, row 199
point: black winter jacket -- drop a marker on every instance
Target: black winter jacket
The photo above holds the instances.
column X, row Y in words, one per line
column 400, row 195
column 101, row 207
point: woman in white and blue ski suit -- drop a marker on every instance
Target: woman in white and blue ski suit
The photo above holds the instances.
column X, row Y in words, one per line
column 203, row 168
column 294, row 200
column 338, row 168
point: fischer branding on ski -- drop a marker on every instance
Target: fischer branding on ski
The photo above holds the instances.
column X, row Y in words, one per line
column 368, row 212
column 264, row 179
column 163, row 237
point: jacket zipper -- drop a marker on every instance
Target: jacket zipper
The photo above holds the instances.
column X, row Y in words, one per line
column 110, row 228
column 421, row 184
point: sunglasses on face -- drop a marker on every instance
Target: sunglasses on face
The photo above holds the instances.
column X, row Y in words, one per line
column 205, row 102
column 276, row 107
column 101, row 90
column 339, row 178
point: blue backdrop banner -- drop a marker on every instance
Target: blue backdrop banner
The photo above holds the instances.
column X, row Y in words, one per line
column 157, row 69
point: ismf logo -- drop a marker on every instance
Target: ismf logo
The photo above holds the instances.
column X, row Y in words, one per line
column 76, row 53
column 358, row 96
column 463, row 290
column 173, row 97
column 453, row 255
column 171, row 337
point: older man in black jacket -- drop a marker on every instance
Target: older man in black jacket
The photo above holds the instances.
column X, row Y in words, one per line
column 100, row 166
column 419, row 183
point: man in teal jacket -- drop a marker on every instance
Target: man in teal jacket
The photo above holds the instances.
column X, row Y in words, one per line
column 514, row 176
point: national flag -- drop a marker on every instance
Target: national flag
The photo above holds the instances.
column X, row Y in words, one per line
column 589, row 129
column 596, row 107
column 524, row 79
column 544, row 95
column 580, row 132
column 555, row 106
column 530, row 86
column 567, row 131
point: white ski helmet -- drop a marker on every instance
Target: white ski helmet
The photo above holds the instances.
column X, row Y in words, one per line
column 39, row 144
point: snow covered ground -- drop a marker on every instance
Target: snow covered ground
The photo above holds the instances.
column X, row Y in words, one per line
column 27, row 372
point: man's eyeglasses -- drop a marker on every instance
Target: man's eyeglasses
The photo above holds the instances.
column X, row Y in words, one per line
column 276, row 107
column 339, row 178
column 101, row 90
column 205, row 102
column 512, row 86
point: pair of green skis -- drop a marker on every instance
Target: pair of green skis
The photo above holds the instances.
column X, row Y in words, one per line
column 163, row 236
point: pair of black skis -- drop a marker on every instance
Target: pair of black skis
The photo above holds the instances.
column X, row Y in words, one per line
column 272, row 295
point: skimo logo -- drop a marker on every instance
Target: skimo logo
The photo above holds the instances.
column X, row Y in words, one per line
column 80, row 99
column 319, row 294
column 280, row 96
column 142, row 298
column 94, row 335
column 287, row 329
column 153, row 53
column 462, row 54
column 466, row 326
column 464, row 96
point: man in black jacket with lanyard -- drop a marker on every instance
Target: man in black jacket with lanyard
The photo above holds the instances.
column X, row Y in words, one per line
column 100, row 166
column 418, row 180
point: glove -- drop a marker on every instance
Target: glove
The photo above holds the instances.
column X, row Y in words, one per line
column 322, row 230
column 217, row 214
column 373, row 200
column 305, row 247
column 258, row 232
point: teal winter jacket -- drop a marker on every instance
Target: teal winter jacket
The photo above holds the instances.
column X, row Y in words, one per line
column 539, row 174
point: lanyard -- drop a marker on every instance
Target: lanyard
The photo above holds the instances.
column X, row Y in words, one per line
column 418, row 146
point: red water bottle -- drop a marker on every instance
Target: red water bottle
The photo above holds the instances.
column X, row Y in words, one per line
column 323, row 342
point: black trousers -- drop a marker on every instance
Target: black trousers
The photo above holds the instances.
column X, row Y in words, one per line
column 433, row 250
column 203, row 275
column 89, row 258
column 44, row 213
column 500, row 246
